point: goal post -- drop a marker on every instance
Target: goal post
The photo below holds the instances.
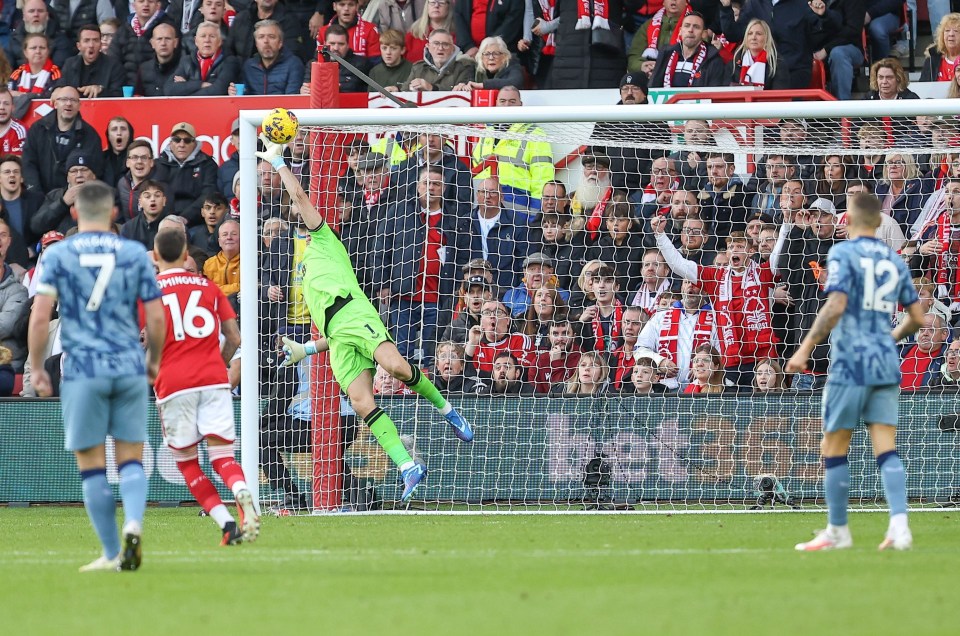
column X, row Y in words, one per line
column 540, row 448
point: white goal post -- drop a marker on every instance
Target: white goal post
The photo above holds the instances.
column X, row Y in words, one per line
column 621, row 451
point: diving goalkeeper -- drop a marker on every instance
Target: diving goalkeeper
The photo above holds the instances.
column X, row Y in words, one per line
column 352, row 331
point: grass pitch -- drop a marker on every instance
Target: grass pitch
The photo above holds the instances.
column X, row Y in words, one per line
column 452, row 575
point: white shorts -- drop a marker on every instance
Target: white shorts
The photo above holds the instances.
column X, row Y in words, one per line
column 188, row 418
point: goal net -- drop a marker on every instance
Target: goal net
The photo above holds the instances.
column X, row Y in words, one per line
column 608, row 295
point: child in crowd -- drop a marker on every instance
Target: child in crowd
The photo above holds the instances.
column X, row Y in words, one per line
column 394, row 68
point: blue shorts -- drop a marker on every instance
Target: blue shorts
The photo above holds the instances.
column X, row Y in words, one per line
column 95, row 408
column 844, row 405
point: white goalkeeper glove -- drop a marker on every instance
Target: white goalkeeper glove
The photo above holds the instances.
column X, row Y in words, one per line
column 272, row 153
column 294, row 352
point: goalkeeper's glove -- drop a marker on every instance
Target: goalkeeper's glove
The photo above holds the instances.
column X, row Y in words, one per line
column 272, row 153
column 294, row 352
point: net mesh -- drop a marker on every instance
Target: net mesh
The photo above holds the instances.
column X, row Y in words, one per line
column 537, row 275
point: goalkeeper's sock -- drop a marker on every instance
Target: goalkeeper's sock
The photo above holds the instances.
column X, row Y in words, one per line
column 133, row 492
column 421, row 385
column 836, row 483
column 385, row 431
column 894, row 482
column 201, row 487
column 102, row 509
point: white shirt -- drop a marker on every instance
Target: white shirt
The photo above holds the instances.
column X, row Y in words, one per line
column 649, row 339
column 485, row 226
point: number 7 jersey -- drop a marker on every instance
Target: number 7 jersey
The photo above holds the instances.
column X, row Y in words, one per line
column 194, row 309
column 875, row 280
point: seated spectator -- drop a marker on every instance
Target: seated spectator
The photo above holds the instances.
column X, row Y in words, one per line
column 438, row 15
column 209, row 72
column 874, row 142
column 224, row 268
column 582, row 296
column 659, row 189
column 655, row 277
column 768, row 377
column 54, row 214
column 474, row 291
column 364, row 39
column 546, row 307
column 620, row 245
column 337, row 41
column 91, row 72
column 902, row 190
column 213, row 210
column 12, row 132
column 119, row 136
column 883, row 21
column 832, row 179
column 38, row 75
column 38, row 21
column 644, row 379
column 449, row 366
column 189, row 173
column 593, row 196
column 707, row 372
column 108, row 29
column 386, row 384
column 497, row 234
column 274, row 69
column 693, row 240
column 506, row 378
column 144, row 227
column 552, row 238
column 394, row 68
column 443, row 66
column 943, row 55
column 589, row 379
column 293, row 30
column 558, row 360
column 842, row 49
column 889, row 231
column 132, row 41
column 779, row 169
column 495, row 67
column 600, row 323
column 214, row 11
column 623, row 358
column 538, row 272
column 949, row 376
column 889, row 81
column 923, row 360
column 17, row 204
column 493, row 336
column 196, row 257
column 162, row 65
column 755, row 62
column 690, row 62
column 13, row 298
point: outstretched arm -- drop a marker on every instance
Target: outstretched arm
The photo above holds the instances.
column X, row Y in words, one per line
column 294, row 352
column 273, row 153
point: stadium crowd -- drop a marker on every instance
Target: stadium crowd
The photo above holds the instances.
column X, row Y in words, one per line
column 662, row 272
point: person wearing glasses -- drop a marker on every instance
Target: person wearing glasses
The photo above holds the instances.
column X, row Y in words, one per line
column 54, row 214
column 52, row 138
column 443, row 66
column 495, row 67
column 190, row 173
column 140, row 168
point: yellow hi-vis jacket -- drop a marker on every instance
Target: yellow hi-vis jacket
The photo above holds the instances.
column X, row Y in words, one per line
column 390, row 148
column 523, row 166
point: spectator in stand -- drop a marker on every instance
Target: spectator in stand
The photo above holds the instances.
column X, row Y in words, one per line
column 365, row 208
column 792, row 199
column 18, row 255
column 13, row 300
column 843, row 49
column 186, row 14
column 209, row 72
column 949, row 376
column 12, row 132
column 943, row 55
column 593, row 196
column 546, row 308
column 493, row 336
column 741, row 293
column 273, row 70
column 155, row 72
column 495, row 67
column 337, row 40
column 889, row 231
column 583, row 296
column 474, row 291
column 73, row 16
column 657, row 34
column 506, row 378
column 38, row 21
column 873, row 141
column 725, row 199
column 883, row 21
column 683, row 204
column 54, row 214
column 766, row 241
column 800, row 28
column 644, row 379
column 108, row 29
column 552, row 238
column 394, row 68
column 214, row 210
column 672, row 335
column 780, row 169
column 18, row 204
column 655, row 279
column 538, row 45
column 538, row 272
column 231, row 166
column 586, row 57
column 449, row 366
column 902, row 191
column 927, row 294
column 693, row 241
column 707, row 372
column 443, row 66
column 224, row 268
column 119, row 135
column 293, row 32
column 438, row 15
column 477, row 20
column 497, row 234
column 620, row 245
column 140, row 168
column 189, row 173
column 768, row 378
column 623, row 358
column 658, row 192
column 434, row 149
column 692, row 169
column 691, row 62
column 143, row 228
column 922, row 361
column 590, row 378
column 132, row 43
column 53, row 137
column 756, row 62
column 213, row 11
column 398, row 15
column 832, row 178
column 935, row 244
column 91, row 72
column 272, row 201
column 364, row 40
column 600, row 323
column 558, row 360
column 38, row 75
column 889, row 80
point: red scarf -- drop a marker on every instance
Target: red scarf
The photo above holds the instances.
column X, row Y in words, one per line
column 371, row 197
column 614, row 328
column 547, row 7
column 206, row 63
column 23, row 81
column 693, row 388
column 694, row 72
column 947, row 274
column 138, row 29
column 753, row 70
column 596, row 217
column 670, row 331
column 600, row 13
column 653, row 32
column 751, row 328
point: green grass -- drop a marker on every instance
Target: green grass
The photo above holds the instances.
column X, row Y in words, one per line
column 452, row 575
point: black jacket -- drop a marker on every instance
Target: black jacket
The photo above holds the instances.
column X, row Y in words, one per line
column 154, row 75
column 780, row 80
column 713, row 70
column 631, row 167
column 189, row 181
column 931, row 65
column 225, row 69
column 141, row 230
column 105, row 71
column 578, row 64
column 60, row 47
column 132, row 51
column 295, row 35
column 800, row 248
column 503, row 18
column 44, row 167
column 54, row 214
column 30, row 202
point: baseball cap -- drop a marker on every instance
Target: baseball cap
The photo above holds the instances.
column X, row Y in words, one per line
column 477, row 280
column 538, row 258
column 50, row 238
column 824, row 205
column 187, row 128
column 78, row 158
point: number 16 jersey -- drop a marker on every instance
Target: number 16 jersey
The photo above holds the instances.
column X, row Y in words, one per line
column 194, row 309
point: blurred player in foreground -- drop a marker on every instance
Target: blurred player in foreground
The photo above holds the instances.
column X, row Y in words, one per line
column 865, row 282
column 352, row 331
column 97, row 279
column 193, row 392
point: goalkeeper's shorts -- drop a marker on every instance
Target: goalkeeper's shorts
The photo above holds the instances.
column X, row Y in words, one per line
column 354, row 332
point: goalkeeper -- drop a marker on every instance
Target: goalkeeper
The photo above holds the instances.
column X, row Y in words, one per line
column 352, row 331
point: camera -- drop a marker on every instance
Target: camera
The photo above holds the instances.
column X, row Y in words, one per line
column 597, row 480
column 771, row 491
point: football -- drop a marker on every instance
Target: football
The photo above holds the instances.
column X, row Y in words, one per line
column 280, row 126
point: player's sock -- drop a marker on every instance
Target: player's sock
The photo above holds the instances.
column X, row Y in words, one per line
column 836, row 483
column 221, row 515
column 133, row 491
column 221, row 457
column 102, row 509
column 421, row 385
column 385, row 431
column 894, row 482
column 201, row 487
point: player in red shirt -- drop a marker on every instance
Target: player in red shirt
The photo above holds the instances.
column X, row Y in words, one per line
column 492, row 337
column 12, row 132
column 193, row 392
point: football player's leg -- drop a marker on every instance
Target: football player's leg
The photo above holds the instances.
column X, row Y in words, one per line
column 882, row 418
column 360, row 392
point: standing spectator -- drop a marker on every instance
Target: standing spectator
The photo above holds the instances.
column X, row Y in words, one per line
column 108, row 29
column 756, row 62
column 538, row 272
column 210, row 11
column 623, row 358
column 91, row 72
column 779, row 170
column 620, row 245
column 337, row 40
column 162, row 66
column 655, row 280
column 12, row 132
column 363, row 37
column 13, row 298
column 692, row 169
column 497, row 234
column 657, row 34
column 691, row 62
column 600, row 323
column 18, row 204
column 54, row 214
column 73, row 16
column 398, row 15
column 693, row 241
column 539, row 44
column 476, row 20
column 293, row 33
column 583, row 296
column 934, row 248
column 560, row 358
column 38, row 21
column 590, row 378
column 922, row 361
column 131, row 44
column 438, row 15
column 578, row 62
column 140, row 168
column 394, row 68
column 119, row 136
column 38, row 74
column 214, row 210
column 224, row 268
column 435, row 150
column 496, row 67
column 365, row 209
column 949, row 376
column 274, row 70
column 475, row 290
column 189, row 173
column 231, row 166
column 902, row 191
column 53, row 137
column 943, row 55
column 659, row 189
column 706, row 372
column 546, row 307
column 889, row 231
column 186, row 14
column 209, row 72
column 843, row 51
column 144, row 227
column 443, row 66
column 725, row 199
